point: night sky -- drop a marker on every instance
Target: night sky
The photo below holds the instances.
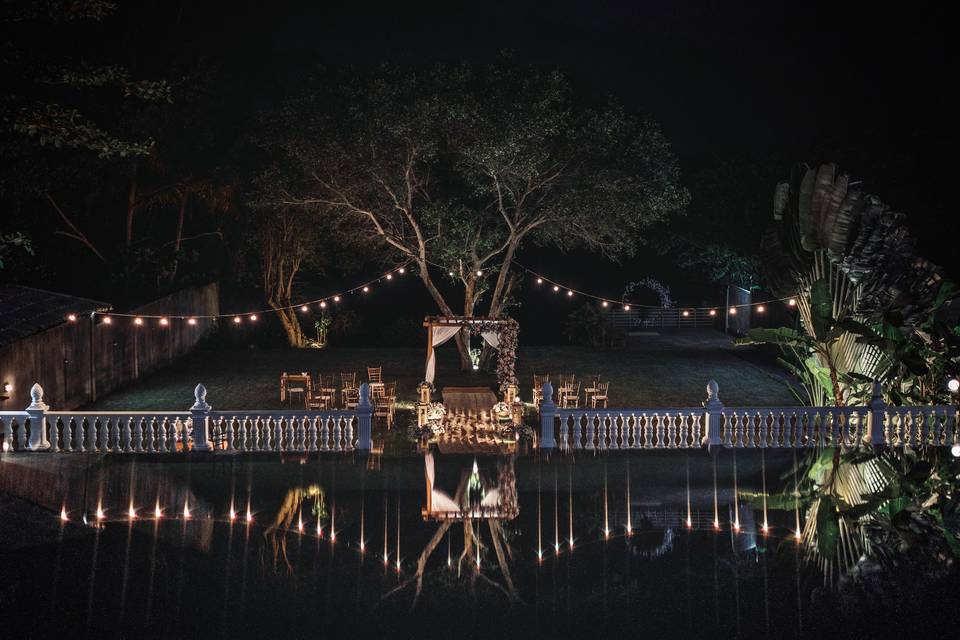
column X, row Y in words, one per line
column 759, row 86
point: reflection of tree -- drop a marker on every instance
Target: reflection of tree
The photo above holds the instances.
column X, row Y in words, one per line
column 472, row 542
column 292, row 508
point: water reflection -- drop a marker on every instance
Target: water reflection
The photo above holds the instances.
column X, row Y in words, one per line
column 667, row 540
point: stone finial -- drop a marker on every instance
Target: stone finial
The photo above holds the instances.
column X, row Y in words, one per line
column 200, row 396
column 713, row 395
column 364, row 395
column 876, row 397
column 547, row 391
column 36, row 398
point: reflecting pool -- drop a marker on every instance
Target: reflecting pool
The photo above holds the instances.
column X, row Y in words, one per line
column 659, row 544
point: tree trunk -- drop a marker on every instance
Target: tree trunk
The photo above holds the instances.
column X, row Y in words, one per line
column 181, row 214
column 291, row 326
column 131, row 206
column 462, row 344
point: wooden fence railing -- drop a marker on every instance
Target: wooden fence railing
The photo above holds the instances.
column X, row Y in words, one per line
column 199, row 429
column 712, row 424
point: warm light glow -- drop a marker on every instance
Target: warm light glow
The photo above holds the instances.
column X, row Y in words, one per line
column 479, row 273
column 626, row 307
column 236, row 319
column 953, row 385
column 761, row 308
column 954, row 450
column 107, row 320
column 402, row 270
column 716, row 524
column 138, row 321
column 792, row 302
column 798, row 536
column 556, row 288
column 249, row 515
column 363, row 546
column 765, row 528
column 186, row 510
column 319, row 529
column 72, row 317
column 366, row 289
column 336, row 298
column 689, row 523
column 398, row 565
column 253, row 317
column 686, row 313
column 604, row 303
column 736, row 527
column 389, row 277
column 100, row 513
column 323, row 305
column 713, row 312
column 131, row 512
column 300, row 525
column 333, row 536
column 6, row 446
column 733, row 311
column 164, row 322
column 606, row 533
column 233, row 514
column 304, row 308
column 63, row 514
column 451, row 274
column 540, row 555
column 191, row 321
column 569, row 293
column 157, row 512
column 539, row 280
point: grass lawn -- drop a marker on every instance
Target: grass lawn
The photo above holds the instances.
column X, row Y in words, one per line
column 666, row 369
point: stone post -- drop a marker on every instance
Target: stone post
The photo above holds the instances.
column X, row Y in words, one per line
column 548, row 412
column 200, row 412
column 713, row 414
column 878, row 415
column 38, row 422
column 364, row 419
column 423, row 404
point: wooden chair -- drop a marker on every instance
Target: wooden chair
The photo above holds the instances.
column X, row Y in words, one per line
column 348, row 380
column 600, row 395
column 384, row 402
column 590, row 389
column 294, row 384
column 351, row 398
column 375, row 379
column 326, row 390
column 570, row 395
column 538, row 381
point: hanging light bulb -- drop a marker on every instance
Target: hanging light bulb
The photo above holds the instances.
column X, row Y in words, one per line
column 402, row 270
column 556, row 288
column 336, row 298
column 451, row 274
column 626, row 307
column 955, row 451
column 761, row 308
column 164, row 322
column 792, row 302
column 569, row 293
column 138, row 321
column 107, row 320
column 953, row 385
column 713, row 312
column 304, row 308
column 253, row 317
column 389, row 276
column 366, row 289
column 604, row 304
column 686, row 314
column 323, row 304
column 72, row 317
column 479, row 273
column 733, row 311
column 191, row 321
column 539, row 280
column 236, row 319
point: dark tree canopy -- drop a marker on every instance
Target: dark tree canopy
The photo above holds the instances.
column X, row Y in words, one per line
column 456, row 166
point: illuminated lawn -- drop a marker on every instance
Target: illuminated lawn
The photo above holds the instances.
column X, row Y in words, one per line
column 666, row 370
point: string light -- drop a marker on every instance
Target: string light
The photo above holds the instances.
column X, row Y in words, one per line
column 604, row 303
column 479, row 273
column 556, row 288
column 236, row 319
column 686, row 313
column 336, row 298
column 304, row 308
column 389, row 277
column 164, row 322
column 72, row 317
column 539, row 280
column 138, row 321
column 569, row 293
column 713, row 312
column 253, row 317
column 107, row 320
column 323, row 305
column 401, row 270
column 733, row 311
column 761, row 308
column 191, row 321
column 626, row 307
column 366, row 289
column 792, row 302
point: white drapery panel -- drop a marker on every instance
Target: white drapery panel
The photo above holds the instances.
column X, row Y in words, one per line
column 439, row 501
column 440, row 335
column 492, row 338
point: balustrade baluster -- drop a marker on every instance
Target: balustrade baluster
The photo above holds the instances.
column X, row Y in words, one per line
column 336, row 435
column 590, row 432
column 313, row 434
column 301, row 434
column 325, row 435
column 348, row 434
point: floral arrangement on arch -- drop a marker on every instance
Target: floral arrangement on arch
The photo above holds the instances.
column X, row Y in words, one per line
column 508, row 331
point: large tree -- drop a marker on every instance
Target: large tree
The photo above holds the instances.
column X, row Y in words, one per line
column 455, row 167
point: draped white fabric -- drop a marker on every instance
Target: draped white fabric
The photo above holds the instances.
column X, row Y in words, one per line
column 492, row 338
column 440, row 335
column 439, row 501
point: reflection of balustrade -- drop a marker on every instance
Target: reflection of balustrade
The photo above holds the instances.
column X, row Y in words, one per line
column 199, row 429
column 746, row 427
